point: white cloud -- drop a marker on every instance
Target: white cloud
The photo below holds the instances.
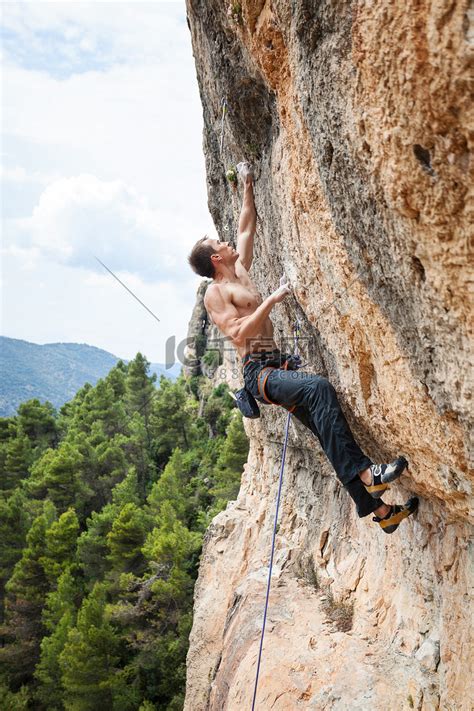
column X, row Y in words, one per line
column 105, row 159
column 62, row 36
column 77, row 218
column 129, row 126
column 141, row 125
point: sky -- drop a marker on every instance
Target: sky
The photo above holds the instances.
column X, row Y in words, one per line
column 101, row 156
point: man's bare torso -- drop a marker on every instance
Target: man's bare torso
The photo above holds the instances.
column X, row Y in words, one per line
column 246, row 299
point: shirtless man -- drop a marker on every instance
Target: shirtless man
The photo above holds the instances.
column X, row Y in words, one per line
column 236, row 307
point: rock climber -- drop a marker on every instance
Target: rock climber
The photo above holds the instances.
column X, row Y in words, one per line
column 235, row 306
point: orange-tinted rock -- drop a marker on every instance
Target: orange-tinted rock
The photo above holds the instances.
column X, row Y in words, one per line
column 356, row 116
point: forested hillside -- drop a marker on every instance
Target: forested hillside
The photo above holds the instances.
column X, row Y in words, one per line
column 53, row 371
column 103, row 507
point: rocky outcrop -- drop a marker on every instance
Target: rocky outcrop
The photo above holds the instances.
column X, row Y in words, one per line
column 198, row 334
column 356, row 117
column 204, row 349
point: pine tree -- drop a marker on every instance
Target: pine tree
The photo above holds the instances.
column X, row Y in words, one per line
column 117, row 378
column 25, row 596
column 38, row 422
column 15, row 460
column 92, row 549
column 103, row 464
column 140, row 387
column 104, row 407
column 89, row 660
column 126, row 539
column 59, row 616
column 10, row 701
column 139, row 452
column 217, row 410
column 23, row 439
column 61, row 541
column 172, row 420
column 14, row 524
column 165, row 596
column 174, row 550
column 229, row 466
column 140, row 396
column 7, row 428
column 171, row 487
column 147, row 706
column 112, row 465
column 155, row 612
column 69, row 414
column 126, row 491
column 65, row 598
column 97, row 407
column 48, row 673
column 59, row 476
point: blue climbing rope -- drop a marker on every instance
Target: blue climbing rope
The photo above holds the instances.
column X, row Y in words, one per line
column 283, row 456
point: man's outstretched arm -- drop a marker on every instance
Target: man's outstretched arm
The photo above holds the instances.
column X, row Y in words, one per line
column 247, row 224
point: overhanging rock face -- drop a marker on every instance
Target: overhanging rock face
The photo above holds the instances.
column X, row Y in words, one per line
column 355, row 115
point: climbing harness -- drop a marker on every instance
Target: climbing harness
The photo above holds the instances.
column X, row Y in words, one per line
column 244, row 399
column 292, row 362
column 296, row 333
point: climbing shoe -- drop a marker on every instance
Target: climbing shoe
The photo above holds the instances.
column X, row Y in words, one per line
column 397, row 513
column 244, row 169
column 382, row 474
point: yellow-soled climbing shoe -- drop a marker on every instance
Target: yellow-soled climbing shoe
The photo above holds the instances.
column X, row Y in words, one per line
column 383, row 474
column 397, row 513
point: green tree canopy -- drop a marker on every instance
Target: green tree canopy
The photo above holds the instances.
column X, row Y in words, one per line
column 59, row 476
column 126, row 538
column 61, row 541
column 103, row 508
column 90, row 658
column 25, row 596
column 38, row 422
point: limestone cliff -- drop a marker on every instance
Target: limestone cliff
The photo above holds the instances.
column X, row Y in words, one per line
column 356, row 116
column 198, row 334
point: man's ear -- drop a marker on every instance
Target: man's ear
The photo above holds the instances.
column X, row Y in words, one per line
column 215, row 257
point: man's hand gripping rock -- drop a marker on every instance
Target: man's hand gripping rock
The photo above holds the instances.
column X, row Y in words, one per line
column 282, row 292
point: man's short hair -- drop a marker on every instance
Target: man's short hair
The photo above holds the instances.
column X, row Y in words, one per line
column 200, row 258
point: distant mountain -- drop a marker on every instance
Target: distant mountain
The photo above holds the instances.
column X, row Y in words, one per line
column 53, row 372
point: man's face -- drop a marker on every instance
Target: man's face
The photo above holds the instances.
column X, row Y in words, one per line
column 226, row 253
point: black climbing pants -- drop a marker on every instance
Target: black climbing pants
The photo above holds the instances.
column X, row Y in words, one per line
column 313, row 401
